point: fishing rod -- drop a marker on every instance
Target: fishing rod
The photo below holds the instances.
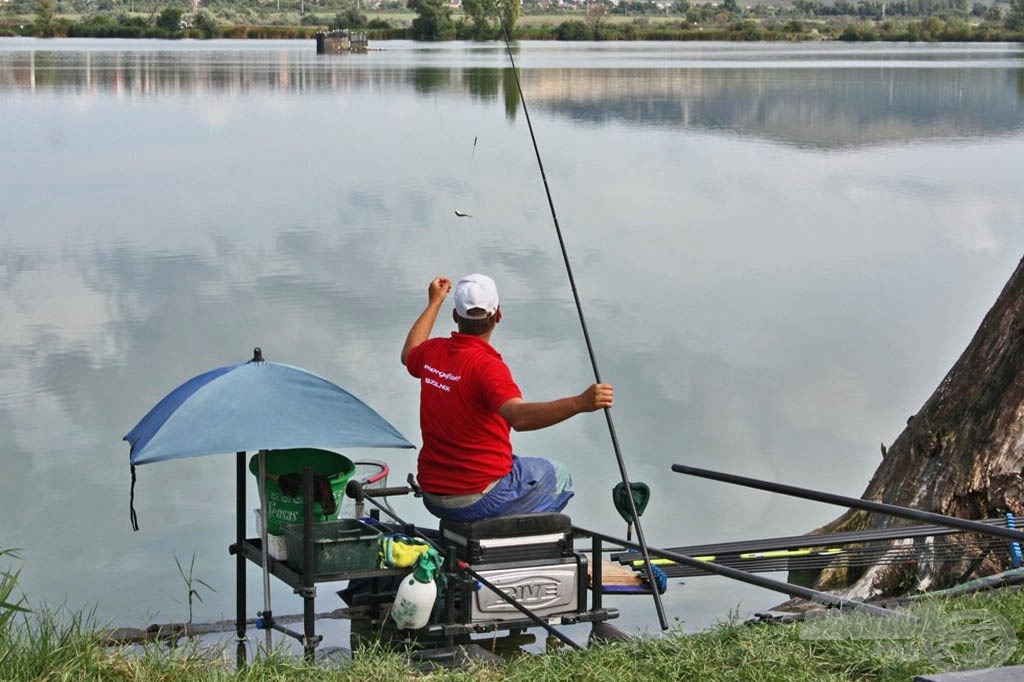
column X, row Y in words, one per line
column 816, row 560
column 663, row 621
column 823, row 598
column 854, row 502
column 823, row 540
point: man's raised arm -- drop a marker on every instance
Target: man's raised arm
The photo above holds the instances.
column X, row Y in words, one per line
column 437, row 291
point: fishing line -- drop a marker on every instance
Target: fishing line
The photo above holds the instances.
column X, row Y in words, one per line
column 472, row 194
column 586, row 336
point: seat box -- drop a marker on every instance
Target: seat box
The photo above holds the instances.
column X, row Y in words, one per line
column 547, row 588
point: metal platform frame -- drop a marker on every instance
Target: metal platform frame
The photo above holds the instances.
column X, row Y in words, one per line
column 304, row 581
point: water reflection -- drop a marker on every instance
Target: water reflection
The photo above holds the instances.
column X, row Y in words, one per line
column 830, row 108
column 850, row 98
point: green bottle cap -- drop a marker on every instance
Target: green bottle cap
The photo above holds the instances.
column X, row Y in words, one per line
column 427, row 566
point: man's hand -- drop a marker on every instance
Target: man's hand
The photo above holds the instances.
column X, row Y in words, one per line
column 439, row 289
column 596, row 397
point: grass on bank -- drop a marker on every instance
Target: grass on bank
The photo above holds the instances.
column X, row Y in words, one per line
column 52, row 645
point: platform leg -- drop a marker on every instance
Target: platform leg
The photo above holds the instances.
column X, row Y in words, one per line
column 310, row 641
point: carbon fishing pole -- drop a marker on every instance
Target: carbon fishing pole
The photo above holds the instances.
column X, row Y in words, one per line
column 823, row 598
column 854, row 503
column 586, row 336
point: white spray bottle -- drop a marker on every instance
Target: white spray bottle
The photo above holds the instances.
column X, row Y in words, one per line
column 417, row 593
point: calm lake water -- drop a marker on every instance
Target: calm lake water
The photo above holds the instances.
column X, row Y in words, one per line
column 780, row 251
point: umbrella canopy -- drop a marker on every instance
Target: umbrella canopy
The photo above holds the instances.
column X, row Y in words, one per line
column 257, row 405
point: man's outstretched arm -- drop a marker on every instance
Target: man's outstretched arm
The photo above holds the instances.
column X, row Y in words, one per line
column 524, row 416
column 437, row 291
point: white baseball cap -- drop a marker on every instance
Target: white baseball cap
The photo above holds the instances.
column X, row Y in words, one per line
column 476, row 292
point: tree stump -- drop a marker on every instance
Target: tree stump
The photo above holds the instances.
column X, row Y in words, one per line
column 961, row 455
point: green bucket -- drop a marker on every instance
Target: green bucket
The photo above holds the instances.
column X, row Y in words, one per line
column 286, row 509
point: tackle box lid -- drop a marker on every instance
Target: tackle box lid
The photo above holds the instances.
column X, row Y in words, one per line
column 514, row 526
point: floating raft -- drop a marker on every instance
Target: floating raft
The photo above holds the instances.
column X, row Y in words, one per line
column 341, row 42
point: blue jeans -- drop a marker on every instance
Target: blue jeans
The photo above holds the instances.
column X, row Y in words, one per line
column 533, row 485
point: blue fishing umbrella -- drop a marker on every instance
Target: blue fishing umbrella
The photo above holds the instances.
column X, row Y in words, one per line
column 257, row 405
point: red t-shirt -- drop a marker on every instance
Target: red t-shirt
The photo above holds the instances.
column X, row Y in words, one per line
column 466, row 445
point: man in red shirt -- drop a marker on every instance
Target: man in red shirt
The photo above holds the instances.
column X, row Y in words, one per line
column 469, row 403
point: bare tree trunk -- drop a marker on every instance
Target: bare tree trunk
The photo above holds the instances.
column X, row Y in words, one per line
column 961, row 455
column 155, row 6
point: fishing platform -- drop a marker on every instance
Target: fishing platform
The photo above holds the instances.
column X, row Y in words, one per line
column 500, row 577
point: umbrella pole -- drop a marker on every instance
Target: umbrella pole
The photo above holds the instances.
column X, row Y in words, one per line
column 240, row 626
column 267, row 613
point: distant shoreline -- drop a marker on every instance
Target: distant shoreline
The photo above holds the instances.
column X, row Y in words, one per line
column 569, row 27
column 710, row 35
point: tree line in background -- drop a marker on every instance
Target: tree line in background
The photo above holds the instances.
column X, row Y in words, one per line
column 865, row 20
column 899, row 20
